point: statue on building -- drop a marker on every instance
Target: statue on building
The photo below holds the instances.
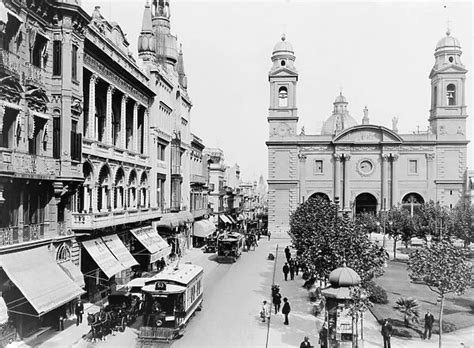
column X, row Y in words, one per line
column 302, row 131
column 395, row 124
column 365, row 119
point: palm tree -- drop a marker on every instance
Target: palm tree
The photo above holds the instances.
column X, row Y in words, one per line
column 409, row 308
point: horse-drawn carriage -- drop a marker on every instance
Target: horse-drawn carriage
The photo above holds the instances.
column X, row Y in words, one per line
column 121, row 311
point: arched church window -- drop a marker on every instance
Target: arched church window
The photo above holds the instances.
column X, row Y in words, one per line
column 451, row 94
column 283, row 96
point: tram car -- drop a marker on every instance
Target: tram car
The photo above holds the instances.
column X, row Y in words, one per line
column 170, row 301
column 229, row 247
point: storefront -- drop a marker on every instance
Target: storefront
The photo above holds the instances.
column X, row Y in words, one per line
column 149, row 247
column 36, row 289
column 201, row 230
column 103, row 262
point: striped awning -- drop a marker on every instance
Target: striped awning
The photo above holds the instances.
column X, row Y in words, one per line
column 224, row 219
column 231, row 219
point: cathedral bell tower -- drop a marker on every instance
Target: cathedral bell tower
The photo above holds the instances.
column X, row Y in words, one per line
column 448, row 77
column 282, row 118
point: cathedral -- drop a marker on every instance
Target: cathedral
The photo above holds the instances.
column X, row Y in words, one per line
column 366, row 167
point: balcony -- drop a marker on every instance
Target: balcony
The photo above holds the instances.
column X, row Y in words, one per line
column 11, row 61
column 198, row 179
column 16, row 234
column 26, row 165
column 34, row 75
column 91, row 221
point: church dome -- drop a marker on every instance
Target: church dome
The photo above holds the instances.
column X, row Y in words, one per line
column 340, row 99
column 340, row 118
column 448, row 42
column 344, row 277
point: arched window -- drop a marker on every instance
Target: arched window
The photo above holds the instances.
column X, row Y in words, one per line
column 435, row 96
column 451, row 94
column 412, row 201
column 103, row 196
column 132, row 190
column 283, row 96
column 63, row 253
column 119, row 189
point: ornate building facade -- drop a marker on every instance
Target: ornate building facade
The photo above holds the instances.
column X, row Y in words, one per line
column 367, row 167
column 42, row 44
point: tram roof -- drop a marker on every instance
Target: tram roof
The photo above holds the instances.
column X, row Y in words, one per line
column 170, row 289
column 182, row 275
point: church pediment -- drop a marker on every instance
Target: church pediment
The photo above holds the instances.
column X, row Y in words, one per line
column 367, row 134
column 283, row 72
column 448, row 69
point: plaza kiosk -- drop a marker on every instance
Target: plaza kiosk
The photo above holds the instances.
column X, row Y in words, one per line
column 229, row 247
column 340, row 331
column 170, row 299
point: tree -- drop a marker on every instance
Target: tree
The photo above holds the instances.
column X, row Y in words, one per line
column 409, row 308
column 324, row 241
column 463, row 221
column 433, row 219
column 399, row 227
column 444, row 269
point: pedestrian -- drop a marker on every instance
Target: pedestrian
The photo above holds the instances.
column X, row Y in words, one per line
column 386, row 333
column 323, row 336
column 265, row 312
column 277, row 301
column 286, row 269
column 292, row 270
column 79, row 310
column 305, row 343
column 286, row 310
column 258, row 234
column 287, row 253
column 269, row 234
column 297, row 266
column 162, row 263
column 429, row 320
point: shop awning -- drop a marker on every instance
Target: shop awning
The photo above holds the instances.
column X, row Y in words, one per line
column 170, row 220
column 224, row 219
column 73, row 272
column 152, row 241
column 103, row 257
column 119, row 250
column 231, row 219
column 203, row 228
column 39, row 278
column 186, row 216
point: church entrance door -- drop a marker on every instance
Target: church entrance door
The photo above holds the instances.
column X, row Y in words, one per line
column 366, row 203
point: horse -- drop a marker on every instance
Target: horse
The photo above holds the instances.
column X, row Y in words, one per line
column 94, row 322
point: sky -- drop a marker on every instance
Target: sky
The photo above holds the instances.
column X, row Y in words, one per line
column 379, row 53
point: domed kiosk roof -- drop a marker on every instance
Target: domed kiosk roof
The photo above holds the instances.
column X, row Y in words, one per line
column 344, row 277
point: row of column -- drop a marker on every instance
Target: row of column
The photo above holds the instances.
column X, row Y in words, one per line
column 108, row 118
column 91, row 195
column 388, row 198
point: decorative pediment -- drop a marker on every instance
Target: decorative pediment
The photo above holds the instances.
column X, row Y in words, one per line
column 37, row 99
column 283, row 71
column 367, row 134
column 10, row 89
column 448, row 69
